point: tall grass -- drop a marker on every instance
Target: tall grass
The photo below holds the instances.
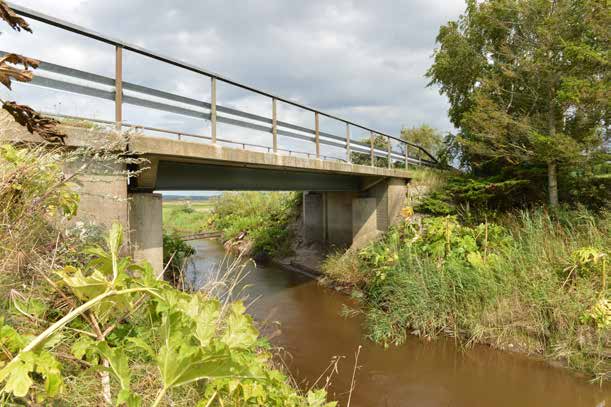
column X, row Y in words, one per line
column 507, row 285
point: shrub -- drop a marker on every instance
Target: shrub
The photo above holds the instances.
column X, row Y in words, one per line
column 175, row 254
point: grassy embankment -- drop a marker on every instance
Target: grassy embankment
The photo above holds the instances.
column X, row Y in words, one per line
column 82, row 325
column 256, row 221
column 531, row 281
column 260, row 220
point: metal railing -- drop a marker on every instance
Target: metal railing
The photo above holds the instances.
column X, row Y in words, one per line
column 122, row 92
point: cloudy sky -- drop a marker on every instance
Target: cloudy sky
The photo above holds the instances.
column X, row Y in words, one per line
column 363, row 60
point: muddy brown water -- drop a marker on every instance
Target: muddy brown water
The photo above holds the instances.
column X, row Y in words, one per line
column 308, row 325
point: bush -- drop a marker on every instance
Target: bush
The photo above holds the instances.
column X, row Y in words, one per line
column 175, row 254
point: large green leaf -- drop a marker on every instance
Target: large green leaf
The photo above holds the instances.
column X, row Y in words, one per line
column 49, row 368
column 240, row 331
column 10, row 338
column 17, row 375
column 119, row 364
column 205, row 314
column 84, row 287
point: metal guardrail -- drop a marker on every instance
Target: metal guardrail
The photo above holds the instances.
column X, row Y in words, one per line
column 115, row 89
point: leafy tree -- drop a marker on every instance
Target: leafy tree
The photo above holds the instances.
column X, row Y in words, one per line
column 527, row 82
column 379, row 143
column 426, row 136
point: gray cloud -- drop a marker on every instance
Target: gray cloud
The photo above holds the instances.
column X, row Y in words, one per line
column 364, row 60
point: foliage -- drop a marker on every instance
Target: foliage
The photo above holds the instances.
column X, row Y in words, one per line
column 527, row 83
column 474, row 196
column 16, row 22
column 192, row 338
column 379, row 143
column 344, row 268
column 34, row 192
column 186, row 218
column 261, row 217
column 425, row 136
column 175, row 253
column 532, row 282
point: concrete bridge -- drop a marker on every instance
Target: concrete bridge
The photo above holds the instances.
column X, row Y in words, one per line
column 344, row 203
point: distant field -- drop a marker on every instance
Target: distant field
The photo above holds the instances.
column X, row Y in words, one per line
column 186, row 217
column 197, row 205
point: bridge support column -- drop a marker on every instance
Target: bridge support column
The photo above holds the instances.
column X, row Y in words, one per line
column 313, row 217
column 345, row 219
column 364, row 221
column 146, row 234
column 338, row 218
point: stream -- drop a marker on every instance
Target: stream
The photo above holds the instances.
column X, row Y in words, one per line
column 304, row 320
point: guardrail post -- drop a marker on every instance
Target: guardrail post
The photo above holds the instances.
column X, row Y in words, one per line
column 406, row 156
column 389, row 153
column 274, row 125
column 317, row 123
column 118, row 86
column 348, row 153
column 371, row 143
column 213, row 110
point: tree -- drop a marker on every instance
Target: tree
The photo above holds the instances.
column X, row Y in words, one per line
column 426, row 136
column 379, row 143
column 527, row 82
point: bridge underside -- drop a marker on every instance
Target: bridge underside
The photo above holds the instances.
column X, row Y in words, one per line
column 181, row 176
column 186, row 166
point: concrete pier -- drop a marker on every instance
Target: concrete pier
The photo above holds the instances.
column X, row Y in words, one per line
column 146, row 234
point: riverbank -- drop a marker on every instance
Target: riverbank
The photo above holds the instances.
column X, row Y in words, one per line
column 533, row 283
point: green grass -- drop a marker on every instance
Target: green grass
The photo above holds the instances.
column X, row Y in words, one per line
column 186, row 217
column 509, row 284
